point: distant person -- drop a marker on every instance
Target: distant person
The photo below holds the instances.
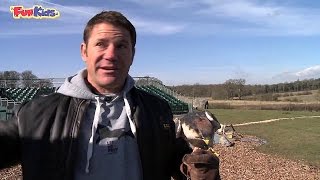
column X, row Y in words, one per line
column 206, row 104
column 98, row 125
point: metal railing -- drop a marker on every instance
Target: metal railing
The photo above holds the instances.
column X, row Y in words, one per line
column 151, row 81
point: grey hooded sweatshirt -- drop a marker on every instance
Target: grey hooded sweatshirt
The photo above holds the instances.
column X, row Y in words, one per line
column 107, row 147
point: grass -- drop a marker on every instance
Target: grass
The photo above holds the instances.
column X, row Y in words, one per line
column 235, row 116
column 313, row 97
column 294, row 139
column 265, row 105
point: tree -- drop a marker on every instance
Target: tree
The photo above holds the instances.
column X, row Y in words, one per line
column 45, row 83
column 240, row 86
column 12, row 78
column 2, row 80
column 235, row 87
column 28, row 78
column 229, row 87
column 218, row 92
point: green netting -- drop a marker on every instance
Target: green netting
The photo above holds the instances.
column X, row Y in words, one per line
column 177, row 106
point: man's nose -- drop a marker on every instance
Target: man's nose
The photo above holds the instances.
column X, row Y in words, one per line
column 110, row 52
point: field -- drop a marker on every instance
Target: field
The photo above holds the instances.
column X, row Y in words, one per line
column 265, row 105
column 300, row 96
column 296, row 139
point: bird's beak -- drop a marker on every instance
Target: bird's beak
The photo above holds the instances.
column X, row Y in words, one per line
column 207, row 141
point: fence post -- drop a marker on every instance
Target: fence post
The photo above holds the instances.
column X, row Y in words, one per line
column 260, row 104
column 289, row 106
column 305, row 106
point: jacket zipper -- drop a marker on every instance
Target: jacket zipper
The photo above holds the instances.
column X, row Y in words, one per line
column 76, row 121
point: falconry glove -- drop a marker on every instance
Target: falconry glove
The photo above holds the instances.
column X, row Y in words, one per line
column 200, row 165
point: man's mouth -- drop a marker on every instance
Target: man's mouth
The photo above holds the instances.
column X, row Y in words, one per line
column 108, row 69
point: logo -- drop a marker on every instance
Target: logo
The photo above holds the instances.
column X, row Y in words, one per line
column 36, row 12
column 166, row 126
column 112, row 147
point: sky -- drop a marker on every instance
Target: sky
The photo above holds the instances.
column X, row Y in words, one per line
column 179, row 42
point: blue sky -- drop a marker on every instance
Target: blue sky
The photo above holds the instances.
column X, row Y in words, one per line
column 179, row 42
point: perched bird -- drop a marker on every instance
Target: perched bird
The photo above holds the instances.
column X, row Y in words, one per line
column 197, row 128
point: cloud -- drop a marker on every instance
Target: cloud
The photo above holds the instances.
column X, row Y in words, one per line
column 307, row 73
column 202, row 17
column 71, row 21
column 162, row 3
column 4, row 9
column 264, row 19
column 5, row 5
column 73, row 18
column 38, row 31
column 74, row 10
column 241, row 17
column 44, row 27
column 156, row 27
column 241, row 9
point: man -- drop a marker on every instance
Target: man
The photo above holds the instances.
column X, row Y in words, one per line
column 98, row 125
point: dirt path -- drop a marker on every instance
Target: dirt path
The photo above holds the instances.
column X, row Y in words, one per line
column 273, row 120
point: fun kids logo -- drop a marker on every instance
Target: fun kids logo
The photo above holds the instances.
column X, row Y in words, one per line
column 36, row 12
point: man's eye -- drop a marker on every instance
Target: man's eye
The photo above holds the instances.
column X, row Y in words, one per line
column 99, row 44
column 122, row 46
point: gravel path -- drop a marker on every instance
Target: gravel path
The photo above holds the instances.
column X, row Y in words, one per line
column 241, row 161
column 13, row 173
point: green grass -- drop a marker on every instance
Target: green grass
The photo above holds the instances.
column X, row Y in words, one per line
column 236, row 116
column 294, row 139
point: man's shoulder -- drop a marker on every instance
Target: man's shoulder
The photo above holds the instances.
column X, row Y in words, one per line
column 50, row 97
column 50, row 100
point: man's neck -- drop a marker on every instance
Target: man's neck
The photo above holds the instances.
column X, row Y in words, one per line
column 102, row 92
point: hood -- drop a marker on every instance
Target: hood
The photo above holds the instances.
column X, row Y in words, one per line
column 75, row 86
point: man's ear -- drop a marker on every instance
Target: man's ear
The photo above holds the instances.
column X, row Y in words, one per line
column 83, row 51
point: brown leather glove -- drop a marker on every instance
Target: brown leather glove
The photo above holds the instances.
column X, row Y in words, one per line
column 200, row 165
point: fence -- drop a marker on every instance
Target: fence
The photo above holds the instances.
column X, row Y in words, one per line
column 22, row 83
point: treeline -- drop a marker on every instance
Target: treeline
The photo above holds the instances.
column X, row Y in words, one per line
column 14, row 79
column 237, row 89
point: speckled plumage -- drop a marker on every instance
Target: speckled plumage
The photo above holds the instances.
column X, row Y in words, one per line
column 198, row 128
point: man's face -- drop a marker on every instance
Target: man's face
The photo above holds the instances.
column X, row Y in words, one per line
column 108, row 56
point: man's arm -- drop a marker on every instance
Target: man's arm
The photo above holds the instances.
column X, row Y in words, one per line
column 181, row 148
column 9, row 142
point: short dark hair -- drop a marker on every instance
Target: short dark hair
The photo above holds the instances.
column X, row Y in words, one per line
column 111, row 17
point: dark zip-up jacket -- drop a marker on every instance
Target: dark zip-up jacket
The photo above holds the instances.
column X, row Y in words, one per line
column 42, row 136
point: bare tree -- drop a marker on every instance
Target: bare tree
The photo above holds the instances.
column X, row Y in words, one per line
column 12, row 78
column 45, row 83
column 28, row 78
column 240, row 86
column 235, row 87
